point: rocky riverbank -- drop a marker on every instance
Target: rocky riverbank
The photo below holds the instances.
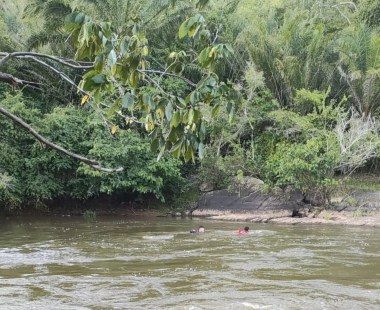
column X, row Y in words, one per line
column 288, row 207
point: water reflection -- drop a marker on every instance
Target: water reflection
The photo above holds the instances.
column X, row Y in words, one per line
column 61, row 263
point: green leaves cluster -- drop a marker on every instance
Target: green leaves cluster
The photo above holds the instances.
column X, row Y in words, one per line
column 122, row 72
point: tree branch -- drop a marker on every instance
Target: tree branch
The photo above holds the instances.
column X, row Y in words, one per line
column 91, row 162
column 64, row 61
column 14, row 81
column 348, row 3
column 60, row 73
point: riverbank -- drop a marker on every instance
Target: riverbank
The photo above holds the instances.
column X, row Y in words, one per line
column 354, row 218
column 289, row 207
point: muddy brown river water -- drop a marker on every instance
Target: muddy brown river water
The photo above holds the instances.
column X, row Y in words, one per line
column 154, row 263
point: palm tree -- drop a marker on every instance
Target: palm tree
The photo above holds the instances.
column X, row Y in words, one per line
column 359, row 67
column 122, row 13
column 292, row 53
column 292, row 44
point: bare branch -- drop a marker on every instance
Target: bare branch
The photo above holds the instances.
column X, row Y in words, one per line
column 216, row 34
column 348, row 3
column 64, row 61
column 7, row 56
column 91, row 162
column 60, row 73
column 14, row 81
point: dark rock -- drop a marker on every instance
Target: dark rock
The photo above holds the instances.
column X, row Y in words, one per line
column 255, row 200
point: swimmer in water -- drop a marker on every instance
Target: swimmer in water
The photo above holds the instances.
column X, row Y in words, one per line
column 243, row 231
column 200, row 230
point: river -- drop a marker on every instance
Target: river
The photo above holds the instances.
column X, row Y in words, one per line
column 155, row 263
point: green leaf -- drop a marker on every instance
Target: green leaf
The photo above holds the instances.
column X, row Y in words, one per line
column 189, row 153
column 134, row 79
column 196, row 116
column 169, row 111
column 181, row 102
column 182, row 32
column 176, row 119
column 191, row 116
column 148, row 100
column 177, row 152
column 124, row 74
column 176, row 148
column 112, row 58
column 193, row 21
column 203, row 58
column 112, row 110
column 154, row 145
column 99, row 62
column 104, row 39
column 215, row 110
column 185, row 116
column 194, row 97
column 128, row 101
column 231, row 115
column 202, row 131
column 172, row 135
column 99, row 78
column 124, row 44
column 193, row 30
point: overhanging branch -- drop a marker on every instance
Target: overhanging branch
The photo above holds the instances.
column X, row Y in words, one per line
column 14, row 81
column 64, row 61
column 91, row 162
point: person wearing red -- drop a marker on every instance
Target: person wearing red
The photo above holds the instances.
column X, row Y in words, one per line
column 243, row 231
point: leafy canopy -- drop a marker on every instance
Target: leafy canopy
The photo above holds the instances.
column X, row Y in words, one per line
column 122, row 71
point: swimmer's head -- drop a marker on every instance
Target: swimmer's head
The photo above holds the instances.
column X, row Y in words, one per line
column 201, row 229
column 246, row 228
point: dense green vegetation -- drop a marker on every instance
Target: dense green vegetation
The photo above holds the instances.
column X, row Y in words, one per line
column 286, row 91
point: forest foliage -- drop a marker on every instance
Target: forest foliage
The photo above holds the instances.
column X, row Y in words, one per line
column 284, row 91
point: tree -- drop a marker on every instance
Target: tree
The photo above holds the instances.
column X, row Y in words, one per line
column 369, row 12
column 359, row 66
column 41, row 175
column 118, row 72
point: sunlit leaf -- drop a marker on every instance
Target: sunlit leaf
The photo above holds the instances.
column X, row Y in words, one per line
column 84, row 99
column 176, row 148
column 182, row 32
column 191, row 116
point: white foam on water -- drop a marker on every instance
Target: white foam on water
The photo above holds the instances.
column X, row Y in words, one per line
column 159, row 237
column 256, row 306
